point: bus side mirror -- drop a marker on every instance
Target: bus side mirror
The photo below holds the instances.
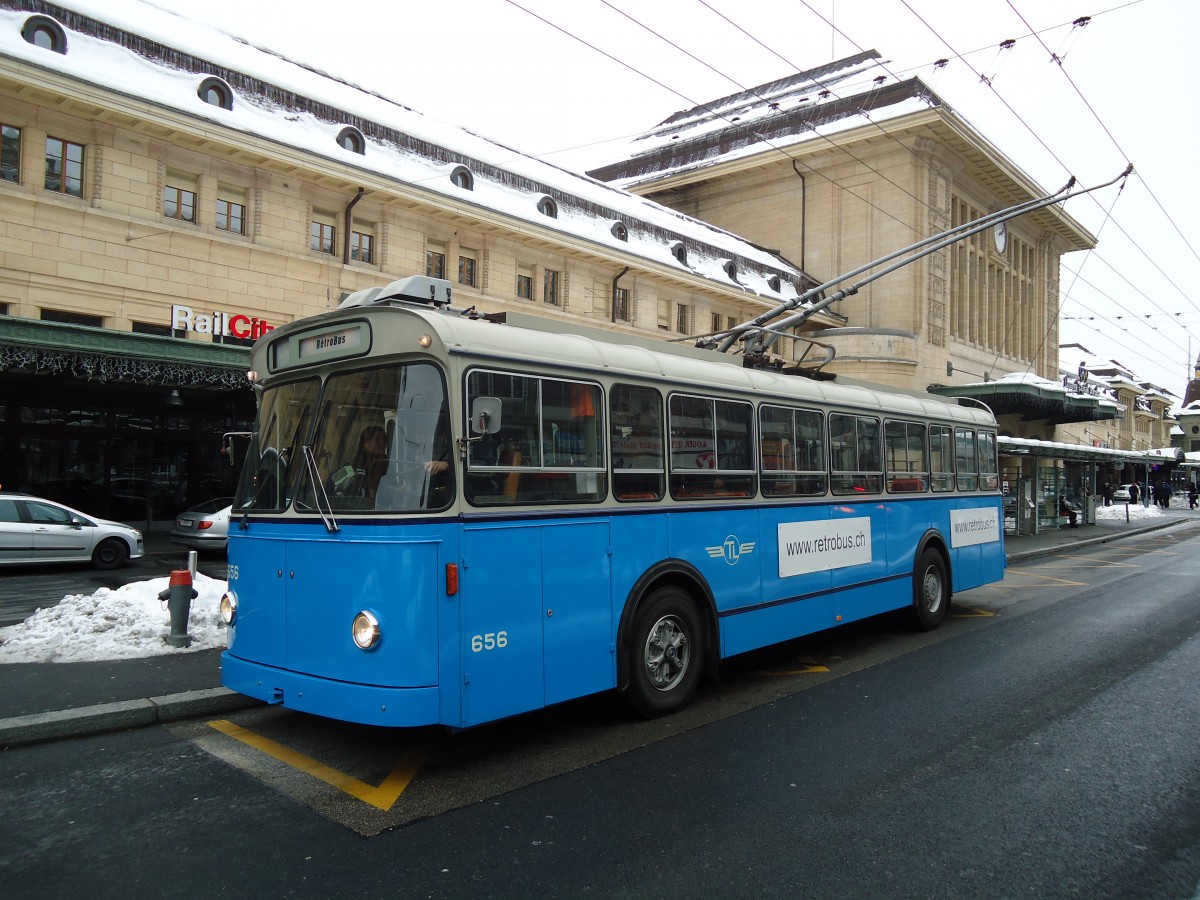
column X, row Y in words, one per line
column 485, row 415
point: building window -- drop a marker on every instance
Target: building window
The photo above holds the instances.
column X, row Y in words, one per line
column 435, row 260
column 729, row 267
column 158, row 329
column 64, row 167
column 231, row 216
column 10, row 153
column 525, row 282
column 44, row 32
column 681, row 318
column 322, row 236
column 621, row 304
column 466, row 268
column 716, row 322
column 550, row 288
column 235, row 341
column 362, row 247
column 215, row 92
column 72, row 318
column 179, row 203
column 774, row 283
column 462, row 177
column 547, row 207
column 731, row 323
column 679, row 252
column 619, row 231
column 350, row 138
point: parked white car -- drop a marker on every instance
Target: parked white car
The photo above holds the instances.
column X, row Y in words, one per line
column 34, row 530
column 1122, row 495
column 205, row 526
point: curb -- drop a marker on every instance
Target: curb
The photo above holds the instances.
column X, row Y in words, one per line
column 1089, row 542
column 105, row 717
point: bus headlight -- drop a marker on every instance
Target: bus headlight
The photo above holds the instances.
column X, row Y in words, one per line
column 228, row 607
column 365, row 630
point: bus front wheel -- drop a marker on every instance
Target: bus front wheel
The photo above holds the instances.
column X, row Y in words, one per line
column 666, row 651
column 931, row 590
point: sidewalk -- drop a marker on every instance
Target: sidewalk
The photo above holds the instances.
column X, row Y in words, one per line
column 51, row 701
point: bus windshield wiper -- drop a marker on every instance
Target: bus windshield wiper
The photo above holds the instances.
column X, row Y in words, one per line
column 324, row 507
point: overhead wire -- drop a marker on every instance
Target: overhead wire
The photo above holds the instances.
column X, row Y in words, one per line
column 1054, row 155
column 1059, row 62
column 768, row 142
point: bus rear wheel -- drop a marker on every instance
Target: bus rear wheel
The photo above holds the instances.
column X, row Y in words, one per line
column 931, row 590
column 666, row 653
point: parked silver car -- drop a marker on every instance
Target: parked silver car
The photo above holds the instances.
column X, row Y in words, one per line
column 1121, row 494
column 205, row 526
column 34, row 530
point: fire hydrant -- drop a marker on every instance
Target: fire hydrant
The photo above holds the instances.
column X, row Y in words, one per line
column 178, row 597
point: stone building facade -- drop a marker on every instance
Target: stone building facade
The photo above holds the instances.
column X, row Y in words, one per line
column 842, row 165
column 167, row 194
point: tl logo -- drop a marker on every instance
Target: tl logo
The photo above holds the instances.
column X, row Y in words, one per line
column 732, row 550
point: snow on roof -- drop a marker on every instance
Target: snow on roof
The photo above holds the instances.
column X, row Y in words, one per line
column 813, row 104
column 300, row 107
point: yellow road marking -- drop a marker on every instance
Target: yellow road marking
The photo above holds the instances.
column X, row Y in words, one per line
column 383, row 797
column 809, row 669
column 1094, row 563
column 1054, row 580
column 970, row 613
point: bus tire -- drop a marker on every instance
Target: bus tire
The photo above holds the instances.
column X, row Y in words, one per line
column 666, row 652
column 931, row 590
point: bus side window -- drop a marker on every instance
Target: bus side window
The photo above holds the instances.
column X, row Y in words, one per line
column 904, row 445
column 941, row 458
column 792, row 451
column 636, row 437
column 712, row 450
column 857, row 464
column 966, row 466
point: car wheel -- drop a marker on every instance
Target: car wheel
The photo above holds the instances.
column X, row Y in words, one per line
column 666, row 653
column 931, row 590
column 110, row 553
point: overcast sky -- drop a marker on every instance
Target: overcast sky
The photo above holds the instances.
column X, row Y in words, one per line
column 574, row 81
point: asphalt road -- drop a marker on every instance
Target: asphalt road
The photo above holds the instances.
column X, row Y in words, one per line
column 1051, row 749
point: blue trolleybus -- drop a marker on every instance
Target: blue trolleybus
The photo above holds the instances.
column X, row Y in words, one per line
column 448, row 518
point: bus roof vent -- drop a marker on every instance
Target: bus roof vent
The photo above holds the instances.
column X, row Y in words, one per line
column 417, row 289
column 360, row 298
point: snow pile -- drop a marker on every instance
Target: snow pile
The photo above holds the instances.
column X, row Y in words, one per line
column 114, row 624
column 1136, row 511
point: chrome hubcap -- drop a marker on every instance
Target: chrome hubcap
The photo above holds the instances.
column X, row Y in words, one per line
column 667, row 653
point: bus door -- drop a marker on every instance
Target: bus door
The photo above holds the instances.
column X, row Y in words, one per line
column 536, row 615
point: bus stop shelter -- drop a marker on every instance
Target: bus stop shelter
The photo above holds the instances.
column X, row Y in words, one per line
column 1035, row 474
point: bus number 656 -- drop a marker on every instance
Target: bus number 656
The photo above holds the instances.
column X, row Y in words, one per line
column 490, row 641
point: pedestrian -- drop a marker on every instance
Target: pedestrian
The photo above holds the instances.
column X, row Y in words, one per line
column 1165, row 494
column 1193, row 495
column 1106, row 493
column 1065, row 510
column 1134, row 493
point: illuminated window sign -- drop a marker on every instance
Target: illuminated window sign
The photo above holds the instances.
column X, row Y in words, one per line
column 317, row 344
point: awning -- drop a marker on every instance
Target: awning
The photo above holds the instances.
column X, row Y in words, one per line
column 1169, row 454
column 1034, row 400
column 1014, row 446
column 101, row 354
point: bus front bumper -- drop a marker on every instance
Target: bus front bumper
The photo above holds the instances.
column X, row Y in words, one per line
column 366, row 704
